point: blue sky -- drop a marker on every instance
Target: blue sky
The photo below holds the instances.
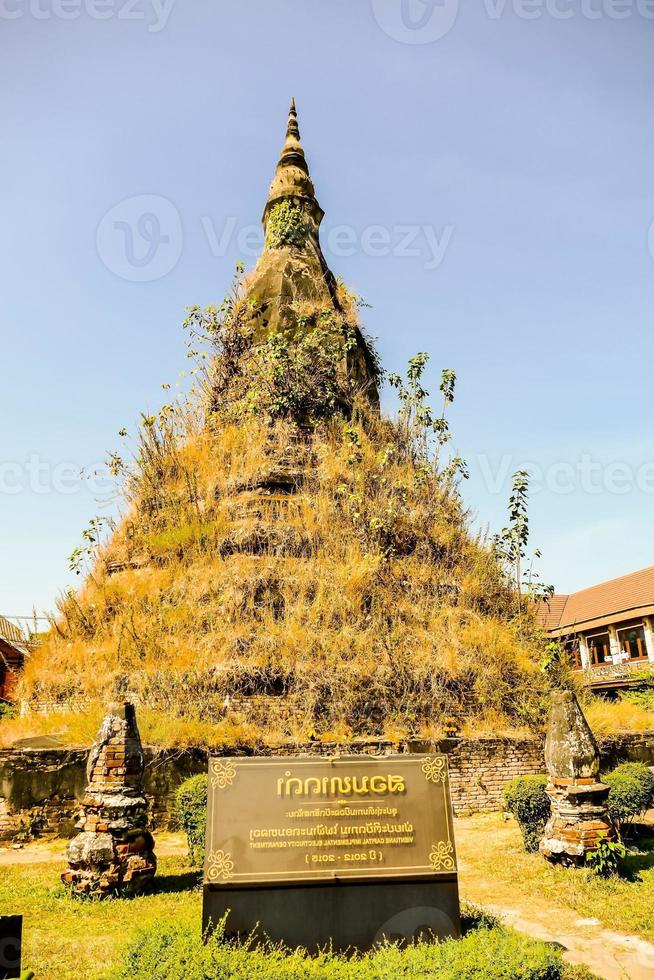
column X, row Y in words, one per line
column 486, row 174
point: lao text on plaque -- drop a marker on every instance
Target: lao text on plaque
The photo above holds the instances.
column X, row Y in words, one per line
column 346, row 850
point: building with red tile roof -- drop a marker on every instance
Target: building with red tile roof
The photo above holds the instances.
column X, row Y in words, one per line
column 608, row 628
column 13, row 651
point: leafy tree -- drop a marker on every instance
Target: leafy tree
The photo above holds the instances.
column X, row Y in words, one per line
column 91, row 538
column 512, row 542
column 424, row 431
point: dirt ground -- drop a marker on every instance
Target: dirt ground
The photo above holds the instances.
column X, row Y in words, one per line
column 610, row 954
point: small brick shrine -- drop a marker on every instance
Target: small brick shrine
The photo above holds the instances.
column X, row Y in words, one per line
column 113, row 852
column 579, row 818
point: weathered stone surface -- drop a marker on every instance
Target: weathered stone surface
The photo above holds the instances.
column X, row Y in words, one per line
column 570, row 748
column 91, row 848
column 114, row 852
column 115, row 762
column 579, row 818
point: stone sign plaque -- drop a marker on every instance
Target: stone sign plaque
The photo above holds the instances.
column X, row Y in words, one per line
column 366, row 843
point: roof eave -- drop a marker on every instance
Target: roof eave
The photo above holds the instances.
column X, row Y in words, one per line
column 621, row 616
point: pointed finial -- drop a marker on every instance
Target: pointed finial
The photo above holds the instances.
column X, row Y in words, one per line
column 292, row 174
column 292, row 130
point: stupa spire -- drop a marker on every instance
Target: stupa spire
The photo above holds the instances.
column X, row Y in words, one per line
column 292, row 288
column 293, row 128
column 292, row 179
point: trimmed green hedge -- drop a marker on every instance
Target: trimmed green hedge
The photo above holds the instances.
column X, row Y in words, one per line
column 191, row 814
column 526, row 799
column 175, row 953
column 632, row 791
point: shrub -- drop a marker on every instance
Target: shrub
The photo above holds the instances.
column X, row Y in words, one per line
column 191, row 813
column 643, row 694
column 476, row 917
column 7, row 711
column 632, row 791
column 526, row 799
column 605, row 860
column 175, row 953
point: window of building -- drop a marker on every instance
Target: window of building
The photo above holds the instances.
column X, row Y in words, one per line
column 632, row 642
column 571, row 647
column 599, row 648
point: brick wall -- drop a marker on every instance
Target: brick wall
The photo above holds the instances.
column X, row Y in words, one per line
column 627, row 748
column 44, row 785
column 40, row 786
column 481, row 768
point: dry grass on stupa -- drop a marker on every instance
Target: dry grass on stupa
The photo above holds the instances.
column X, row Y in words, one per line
column 271, row 582
column 276, row 579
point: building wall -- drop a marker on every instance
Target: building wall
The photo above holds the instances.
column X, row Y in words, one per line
column 647, row 622
column 41, row 788
column 11, row 664
column 8, row 681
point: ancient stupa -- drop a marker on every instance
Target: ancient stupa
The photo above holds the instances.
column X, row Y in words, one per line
column 579, row 818
column 291, row 564
column 113, row 853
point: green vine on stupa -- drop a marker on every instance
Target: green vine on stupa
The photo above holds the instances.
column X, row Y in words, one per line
column 286, row 226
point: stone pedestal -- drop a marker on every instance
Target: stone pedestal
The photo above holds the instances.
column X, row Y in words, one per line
column 579, row 819
column 114, row 852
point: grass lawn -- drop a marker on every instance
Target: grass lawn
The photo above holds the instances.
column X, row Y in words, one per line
column 66, row 938
column 497, row 870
